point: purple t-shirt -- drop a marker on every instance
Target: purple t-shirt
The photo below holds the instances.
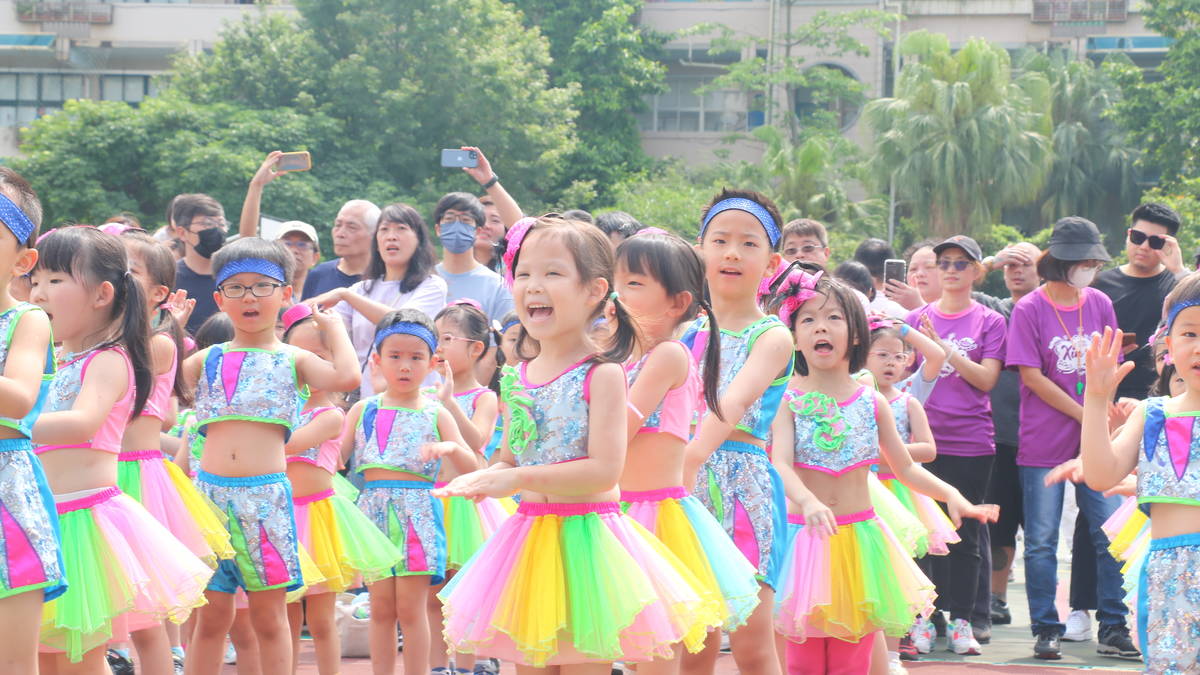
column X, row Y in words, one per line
column 1056, row 345
column 959, row 414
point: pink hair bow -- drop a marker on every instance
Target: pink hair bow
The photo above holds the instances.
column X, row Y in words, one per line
column 797, row 289
column 877, row 321
column 516, row 235
column 470, row 302
column 650, row 230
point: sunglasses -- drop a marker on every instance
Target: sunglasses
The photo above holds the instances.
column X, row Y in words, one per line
column 958, row 265
column 1137, row 238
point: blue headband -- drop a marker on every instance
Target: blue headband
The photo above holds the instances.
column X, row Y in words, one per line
column 407, row 328
column 510, row 324
column 1179, row 307
column 752, row 207
column 15, row 220
column 255, row 265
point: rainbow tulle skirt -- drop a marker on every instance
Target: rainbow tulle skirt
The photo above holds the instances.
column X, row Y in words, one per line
column 469, row 523
column 125, row 572
column 689, row 531
column 850, row 584
column 939, row 529
column 573, row 583
column 904, row 524
column 343, row 543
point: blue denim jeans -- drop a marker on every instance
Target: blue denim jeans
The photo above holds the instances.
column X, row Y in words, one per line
column 1043, row 515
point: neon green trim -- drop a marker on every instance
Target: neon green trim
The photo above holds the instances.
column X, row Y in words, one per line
column 391, row 467
column 9, row 592
column 1169, row 500
column 1188, row 413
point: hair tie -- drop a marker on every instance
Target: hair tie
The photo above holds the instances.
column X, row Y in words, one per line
column 15, row 219
column 878, row 321
column 469, row 302
column 515, row 237
column 613, row 296
column 749, row 206
column 407, row 328
column 253, row 265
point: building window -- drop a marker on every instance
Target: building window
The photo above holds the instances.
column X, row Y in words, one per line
column 25, row 97
column 128, row 88
column 846, row 111
column 680, row 108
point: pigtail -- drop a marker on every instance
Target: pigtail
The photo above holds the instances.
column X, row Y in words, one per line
column 624, row 338
column 712, row 363
column 135, row 337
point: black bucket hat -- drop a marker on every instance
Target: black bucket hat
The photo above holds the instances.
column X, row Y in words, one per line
column 1076, row 238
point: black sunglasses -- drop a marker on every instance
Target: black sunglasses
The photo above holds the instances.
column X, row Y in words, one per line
column 1137, row 238
column 958, row 265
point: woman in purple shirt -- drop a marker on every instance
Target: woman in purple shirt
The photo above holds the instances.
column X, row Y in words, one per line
column 960, row 414
column 1048, row 337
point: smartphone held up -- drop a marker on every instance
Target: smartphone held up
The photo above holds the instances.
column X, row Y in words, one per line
column 294, row 161
column 457, row 158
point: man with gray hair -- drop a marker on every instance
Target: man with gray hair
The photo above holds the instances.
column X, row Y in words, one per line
column 352, row 233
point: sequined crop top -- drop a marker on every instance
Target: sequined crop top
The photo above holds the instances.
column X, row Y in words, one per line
column 678, row 408
column 899, row 406
column 548, row 422
column 391, row 438
column 8, row 327
column 834, row 437
column 158, row 403
column 250, row 385
column 64, row 389
column 325, row 455
column 735, row 349
column 1169, row 457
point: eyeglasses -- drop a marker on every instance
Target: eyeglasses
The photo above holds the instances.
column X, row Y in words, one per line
column 958, row 265
column 893, row 357
column 1137, row 238
column 302, row 245
column 807, row 248
column 208, row 224
column 446, row 337
column 262, row 289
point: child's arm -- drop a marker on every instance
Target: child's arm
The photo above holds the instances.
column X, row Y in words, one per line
column 922, row 448
column 100, row 391
column 476, row 430
column 190, row 369
column 916, row 477
column 664, row 368
column 342, row 373
column 783, row 439
column 323, row 427
column 182, row 457
column 347, row 441
column 452, row 447
column 766, row 361
column 23, row 371
column 933, row 353
column 1105, row 462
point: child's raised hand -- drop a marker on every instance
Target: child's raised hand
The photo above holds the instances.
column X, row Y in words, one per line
column 928, row 329
column 1103, row 367
column 961, row 508
column 180, row 306
column 478, row 485
column 1070, row 470
column 819, row 518
column 445, row 390
column 326, row 320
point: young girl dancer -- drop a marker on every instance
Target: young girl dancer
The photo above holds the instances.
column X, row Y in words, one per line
column 399, row 438
column 463, row 333
column 660, row 282
column 726, row 461
column 845, row 575
column 125, row 570
column 568, row 584
column 248, row 400
column 31, row 568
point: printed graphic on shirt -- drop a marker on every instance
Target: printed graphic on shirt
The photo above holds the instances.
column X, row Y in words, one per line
column 1069, row 351
column 962, row 346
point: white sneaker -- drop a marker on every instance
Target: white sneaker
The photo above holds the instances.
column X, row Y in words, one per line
column 230, row 654
column 1079, row 627
column 922, row 635
column 896, row 668
column 962, row 639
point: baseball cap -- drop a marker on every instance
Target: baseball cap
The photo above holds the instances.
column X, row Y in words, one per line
column 298, row 226
column 964, row 242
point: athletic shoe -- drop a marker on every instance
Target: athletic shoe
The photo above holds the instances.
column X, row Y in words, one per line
column 982, row 630
column 1001, row 616
column 119, row 665
column 896, row 668
column 939, row 623
column 962, row 641
column 908, row 650
column 922, row 635
column 1115, row 641
column 1079, row 626
column 1048, row 646
column 487, row 667
column 441, row 670
column 177, row 660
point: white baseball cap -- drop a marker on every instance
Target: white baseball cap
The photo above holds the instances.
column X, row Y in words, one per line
column 298, row 226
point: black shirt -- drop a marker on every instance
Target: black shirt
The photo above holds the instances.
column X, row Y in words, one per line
column 326, row 277
column 1138, row 302
column 199, row 287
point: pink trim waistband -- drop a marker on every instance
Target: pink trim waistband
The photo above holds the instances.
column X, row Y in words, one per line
column 440, row 483
column 886, row 476
column 88, row 501
column 138, row 455
column 845, row 519
column 673, row 492
column 835, row 472
column 561, row 509
column 314, row 497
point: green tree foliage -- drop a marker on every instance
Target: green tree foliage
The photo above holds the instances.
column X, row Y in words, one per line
column 963, row 137
column 598, row 47
column 1162, row 115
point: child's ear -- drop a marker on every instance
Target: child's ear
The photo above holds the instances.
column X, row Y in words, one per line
column 26, row 260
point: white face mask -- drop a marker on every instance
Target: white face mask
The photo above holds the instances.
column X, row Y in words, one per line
column 1081, row 276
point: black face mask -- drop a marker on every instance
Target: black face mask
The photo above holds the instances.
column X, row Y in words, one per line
column 211, row 241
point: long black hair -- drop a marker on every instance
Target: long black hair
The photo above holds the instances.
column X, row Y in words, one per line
column 672, row 262
column 92, row 258
column 420, row 266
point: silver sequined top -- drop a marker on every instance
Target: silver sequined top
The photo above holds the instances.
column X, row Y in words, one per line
column 899, row 406
column 8, row 326
column 1169, row 457
column 560, row 411
column 254, row 385
column 391, row 438
column 834, row 441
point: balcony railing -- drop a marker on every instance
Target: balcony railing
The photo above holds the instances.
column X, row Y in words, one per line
column 1057, row 11
column 65, row 12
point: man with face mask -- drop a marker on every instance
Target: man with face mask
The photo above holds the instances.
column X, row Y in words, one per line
column 199, row 222
column 457, row 219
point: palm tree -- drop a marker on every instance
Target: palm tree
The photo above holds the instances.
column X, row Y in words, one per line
column 962, row 138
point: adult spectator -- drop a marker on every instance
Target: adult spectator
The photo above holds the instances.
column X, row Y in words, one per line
column 199, row 222
column 855, row 275
column 399, row 275
column 617, row 226
column 922, row 285
column 580, row 215
column 500, row 211
column 873, row 253
column 353, row 239
column 458, row 217
column 1139, row 287
column 301, row 239
column 1049, row 334
column 806, row 239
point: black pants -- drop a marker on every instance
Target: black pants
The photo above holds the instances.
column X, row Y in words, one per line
column 1083, row 567
column 1004, row 490
column 956, row 575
